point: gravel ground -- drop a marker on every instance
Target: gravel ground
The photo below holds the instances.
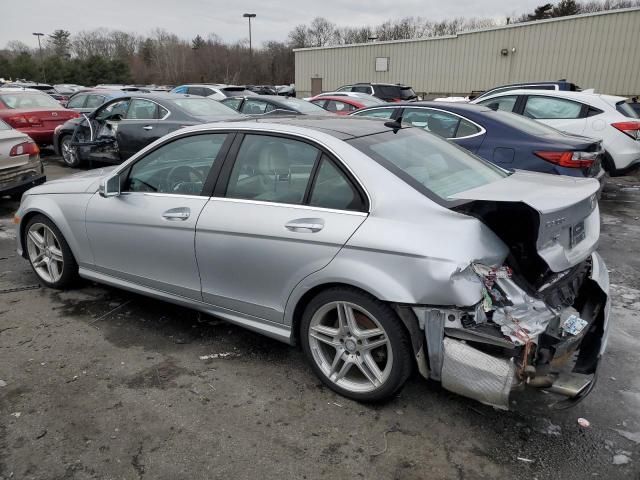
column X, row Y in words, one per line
column 101, row 383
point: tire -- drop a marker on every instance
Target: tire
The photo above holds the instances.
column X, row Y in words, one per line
column 356, row 344
column 610, row 166
column 69, row 154
column 49, row 254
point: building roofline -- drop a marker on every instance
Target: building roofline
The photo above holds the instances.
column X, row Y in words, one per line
column 490, row 29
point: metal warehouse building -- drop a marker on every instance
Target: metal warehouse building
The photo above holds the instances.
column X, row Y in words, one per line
column 600, row 51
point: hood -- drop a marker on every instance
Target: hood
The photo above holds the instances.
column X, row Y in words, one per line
column 549, row 217
column 77, row 183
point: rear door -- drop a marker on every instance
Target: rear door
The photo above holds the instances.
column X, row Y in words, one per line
column 282, row 210
column 561, row 113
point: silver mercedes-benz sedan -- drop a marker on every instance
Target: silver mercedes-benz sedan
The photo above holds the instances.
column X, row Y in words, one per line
column 377, row 247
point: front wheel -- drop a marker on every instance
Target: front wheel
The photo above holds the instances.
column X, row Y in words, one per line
column 356, row 344
column 49, row 254
column 70, row 155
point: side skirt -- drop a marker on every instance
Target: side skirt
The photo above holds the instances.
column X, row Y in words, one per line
column 259, row 325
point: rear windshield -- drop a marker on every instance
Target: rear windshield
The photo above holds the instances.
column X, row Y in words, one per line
column 625, row 109
column 525, row 124
column 393, row 91
column 428, row 163
column 237, row 92
column 28, row 100
column 204, row 107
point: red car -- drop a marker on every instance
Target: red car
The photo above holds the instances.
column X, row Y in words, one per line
column 342, row 105
column 32, row 112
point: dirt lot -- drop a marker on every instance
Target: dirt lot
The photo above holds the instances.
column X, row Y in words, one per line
column 101, row 383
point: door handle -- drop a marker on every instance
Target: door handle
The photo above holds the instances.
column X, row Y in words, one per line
column 147, row 127
column 176, row 214
column 305, row 225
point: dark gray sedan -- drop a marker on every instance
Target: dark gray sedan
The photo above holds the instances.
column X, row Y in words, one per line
column 126, row 124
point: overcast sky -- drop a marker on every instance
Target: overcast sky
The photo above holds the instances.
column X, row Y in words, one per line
column 186, row 18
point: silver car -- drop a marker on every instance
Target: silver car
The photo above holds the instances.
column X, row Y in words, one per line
column 377, row 247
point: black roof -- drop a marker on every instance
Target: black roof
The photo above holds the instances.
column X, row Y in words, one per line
column 343, row 128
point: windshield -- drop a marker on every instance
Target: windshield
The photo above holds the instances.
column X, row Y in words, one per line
column 237, row 92
column 204, row 107
column 625, row 109
column 525, row 124
column 428, row 163
column 28, row 100
column 303, row 106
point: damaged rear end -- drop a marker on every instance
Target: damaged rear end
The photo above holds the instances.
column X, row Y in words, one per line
column 541, row 325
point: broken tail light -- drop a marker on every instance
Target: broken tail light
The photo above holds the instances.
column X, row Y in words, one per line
column 631, row 129
column 569, row 159
column 25, row 148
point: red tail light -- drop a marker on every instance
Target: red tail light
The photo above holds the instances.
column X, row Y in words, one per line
column 26, row 148
column 569, row 159
column 21, row 121
column 629, row 128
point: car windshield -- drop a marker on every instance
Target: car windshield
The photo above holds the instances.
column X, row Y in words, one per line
column 625, row 109
column 407, row 93
column 237, row 92
column 203, row 107
column 28, row 100
column 526, row 124
column 428, row 163
column 303, row 106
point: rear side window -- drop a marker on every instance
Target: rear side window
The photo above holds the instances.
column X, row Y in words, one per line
column 332, row 189
column 181, row 89
column 272, row 169
column 142, row 110
column 466, row 129
column 505, row 103
column 254, row 107
column 338, row 107
column 407, row 93
column 362, row 89
column 233, row 103
column 551, row 108
column 4, row 126
column 625, row 109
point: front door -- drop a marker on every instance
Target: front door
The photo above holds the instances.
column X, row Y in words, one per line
column 287, row 211
column 146, row 234
column 139, row 127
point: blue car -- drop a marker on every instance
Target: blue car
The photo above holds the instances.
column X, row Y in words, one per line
column 506, row 139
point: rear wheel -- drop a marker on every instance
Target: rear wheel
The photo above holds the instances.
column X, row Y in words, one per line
column 69, row 152
column 357, row 345
column 49, row 254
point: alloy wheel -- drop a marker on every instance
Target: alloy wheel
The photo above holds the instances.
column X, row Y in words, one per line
column 69, row 153
column 45, row 252
column 350, row 347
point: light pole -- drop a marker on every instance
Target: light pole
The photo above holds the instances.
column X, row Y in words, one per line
column 249, row 16
column 44, row 76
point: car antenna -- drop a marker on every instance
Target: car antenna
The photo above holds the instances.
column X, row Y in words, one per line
column 394, row 124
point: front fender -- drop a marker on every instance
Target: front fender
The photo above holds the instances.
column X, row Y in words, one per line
column 71, row 223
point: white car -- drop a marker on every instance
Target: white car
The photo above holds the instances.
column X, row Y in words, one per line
column 363, row 96
column 215, row 91
column 20, row 165
column 605, row 117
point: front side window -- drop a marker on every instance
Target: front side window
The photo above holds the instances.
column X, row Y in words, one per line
column 506, row 103
column 180, row 167
column 385, row 113
column 440, row 123
column 113, row 111
column 429, row 164
column 141, row 109
column 551, row 108
column 338, row 107
column 232, row 103
column 272, row 169
column 77, row 101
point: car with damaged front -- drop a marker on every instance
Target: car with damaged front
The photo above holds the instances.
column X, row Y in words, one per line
column 376, row 246
column 128, row 121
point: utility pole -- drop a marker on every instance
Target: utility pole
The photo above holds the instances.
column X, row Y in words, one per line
column 250, row 16
column 44, row 76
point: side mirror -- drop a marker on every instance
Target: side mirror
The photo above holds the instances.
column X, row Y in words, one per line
column 110, row 186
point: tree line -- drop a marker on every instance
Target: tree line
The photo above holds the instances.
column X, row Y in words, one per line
column 163, row 58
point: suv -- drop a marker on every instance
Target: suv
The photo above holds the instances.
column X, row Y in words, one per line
column 389, row 92
column 605, row 117
column 557, row 85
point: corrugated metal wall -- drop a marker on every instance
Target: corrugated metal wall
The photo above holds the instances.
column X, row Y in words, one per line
column 600, row 51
